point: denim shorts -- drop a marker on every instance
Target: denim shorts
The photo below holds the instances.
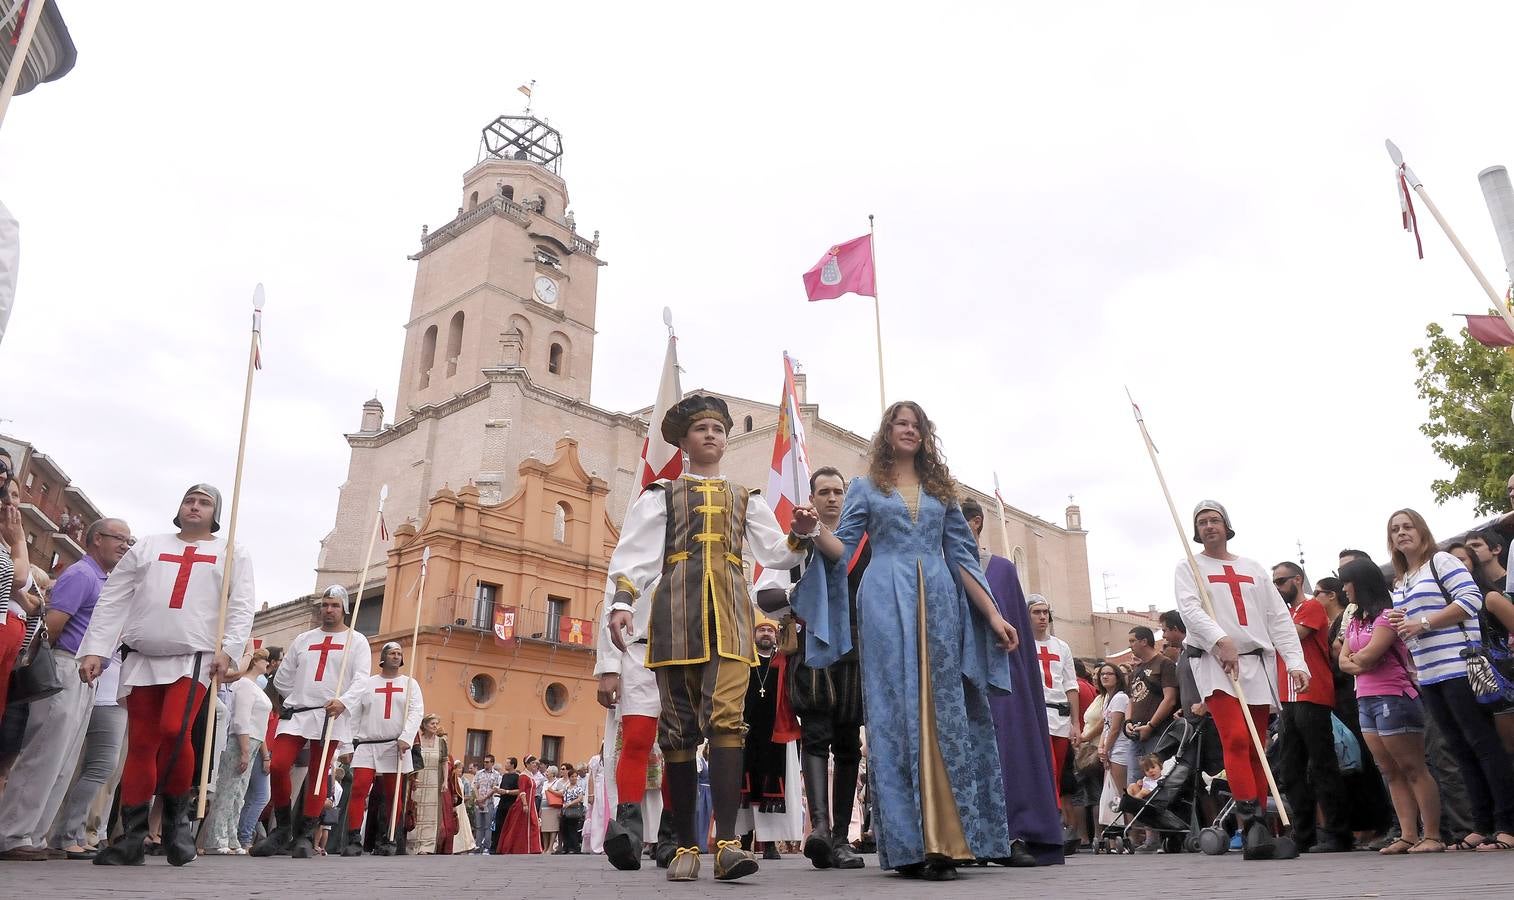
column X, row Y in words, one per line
column 1388, row 716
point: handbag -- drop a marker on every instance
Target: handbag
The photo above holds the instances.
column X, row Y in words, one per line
column 554, row 799
column 573, row 812
column 35, row 676
column 1481, row 676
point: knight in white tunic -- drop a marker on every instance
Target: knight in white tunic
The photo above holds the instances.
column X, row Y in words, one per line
column 628, row 691
column 1240, row 633
column 385, row 719
column 315, row 688
column 161, row 606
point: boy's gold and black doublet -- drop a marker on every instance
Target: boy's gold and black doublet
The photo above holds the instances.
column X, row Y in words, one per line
column 688, row 536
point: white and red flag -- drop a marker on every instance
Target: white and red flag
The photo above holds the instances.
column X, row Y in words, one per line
column 789, row 476
column 844, row 269
column 660, row 459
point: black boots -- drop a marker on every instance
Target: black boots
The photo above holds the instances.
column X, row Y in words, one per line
column 667, row 840
column 127, row 850
column 354, row 845
column 178, row 829
column 843, row 793
column 1257, row 841
column 817, row 845
column 623, row 838
column 277, row 841
column 304, row 837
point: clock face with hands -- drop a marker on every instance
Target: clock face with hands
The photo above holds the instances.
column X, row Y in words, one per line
column 546, row 290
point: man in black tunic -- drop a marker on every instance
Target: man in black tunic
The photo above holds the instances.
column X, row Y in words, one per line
column 828, row 703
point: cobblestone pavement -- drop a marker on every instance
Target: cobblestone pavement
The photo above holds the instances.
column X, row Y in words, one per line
column 1355, row 875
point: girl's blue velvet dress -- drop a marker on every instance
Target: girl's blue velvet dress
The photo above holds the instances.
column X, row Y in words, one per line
column 928, row 665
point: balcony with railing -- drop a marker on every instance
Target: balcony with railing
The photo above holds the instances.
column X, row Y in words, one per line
column 515, row 212
column 546, row 626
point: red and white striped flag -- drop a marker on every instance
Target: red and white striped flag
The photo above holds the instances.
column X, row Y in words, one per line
column 660, row 459
column 789, row 476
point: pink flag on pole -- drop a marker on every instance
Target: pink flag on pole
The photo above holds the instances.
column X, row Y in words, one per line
column 660, row 459
column 844, row 269
column 1490, row 331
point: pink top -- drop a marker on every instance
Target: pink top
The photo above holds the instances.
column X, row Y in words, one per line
column 1390, row 677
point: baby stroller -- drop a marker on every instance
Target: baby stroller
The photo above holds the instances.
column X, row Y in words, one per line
column 1169, row 808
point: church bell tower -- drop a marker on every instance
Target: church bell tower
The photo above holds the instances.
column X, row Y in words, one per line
column 508, row 281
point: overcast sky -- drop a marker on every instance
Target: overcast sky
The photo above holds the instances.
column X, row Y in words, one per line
column 1070, row 198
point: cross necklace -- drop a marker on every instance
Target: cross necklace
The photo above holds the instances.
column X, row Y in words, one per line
column 762, row 685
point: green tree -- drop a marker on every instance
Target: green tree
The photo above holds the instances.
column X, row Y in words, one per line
column 1469, row 388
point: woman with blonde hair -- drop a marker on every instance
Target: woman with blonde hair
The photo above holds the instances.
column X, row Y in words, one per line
column 244, row 750
column 934, row 646
column 1435, row 607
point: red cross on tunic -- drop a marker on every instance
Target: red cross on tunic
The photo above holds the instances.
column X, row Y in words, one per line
column 1235, row 580
column 1047, row 658
column 186, row 563
column 389, row 690
column 325, row 647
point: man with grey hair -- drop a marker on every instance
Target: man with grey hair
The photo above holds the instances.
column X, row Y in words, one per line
column 56, row 725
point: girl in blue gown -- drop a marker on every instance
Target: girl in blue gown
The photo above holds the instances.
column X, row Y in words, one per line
column 933, row 645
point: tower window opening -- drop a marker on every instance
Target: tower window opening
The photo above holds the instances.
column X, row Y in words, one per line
column 473, row 200
column 747, row 423
column 554, row 359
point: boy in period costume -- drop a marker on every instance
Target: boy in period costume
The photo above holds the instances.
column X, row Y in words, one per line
column 688, row 536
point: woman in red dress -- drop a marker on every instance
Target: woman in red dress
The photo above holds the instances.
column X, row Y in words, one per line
column 522, row 829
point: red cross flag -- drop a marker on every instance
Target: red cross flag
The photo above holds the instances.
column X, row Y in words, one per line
column 660, row 459
column 789, row 476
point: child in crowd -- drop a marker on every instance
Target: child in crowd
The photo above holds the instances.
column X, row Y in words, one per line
column 1151, row 772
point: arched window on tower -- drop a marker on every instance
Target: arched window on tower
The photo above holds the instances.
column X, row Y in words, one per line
column 454, row 342
column 561, row 515
column 747, row 423
column 507, row 192
column 554, row 360
column 428, row 356
column 473, row 200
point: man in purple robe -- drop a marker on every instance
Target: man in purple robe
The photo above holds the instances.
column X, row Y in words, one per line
column 1035, row 825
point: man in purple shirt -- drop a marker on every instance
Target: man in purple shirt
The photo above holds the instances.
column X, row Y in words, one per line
column 56, row 725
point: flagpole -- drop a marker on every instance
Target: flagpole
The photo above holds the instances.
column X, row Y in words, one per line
column 1419, row 188
column 33, row 15
column 872, row 247
column 791, row 402
column 320, row 770
column 231, row 530
column 412, row 659
column 1003, row 520
column 1200, row 588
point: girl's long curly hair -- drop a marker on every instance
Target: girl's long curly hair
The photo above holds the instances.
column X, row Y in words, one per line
column 930, row 464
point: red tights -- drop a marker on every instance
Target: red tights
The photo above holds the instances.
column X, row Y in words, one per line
column 1243, row 767
column 362, row 783
column 154, row 727
column 285, row 748
column 637, row 733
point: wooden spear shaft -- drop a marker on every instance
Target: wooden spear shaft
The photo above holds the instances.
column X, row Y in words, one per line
column 1413, row 181
column 1203, row 593
column 231, row 542
column 341, row 673
column 415, row 650
column 33, row 15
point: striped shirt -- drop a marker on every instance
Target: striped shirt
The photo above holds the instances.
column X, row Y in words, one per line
column 1437, row 653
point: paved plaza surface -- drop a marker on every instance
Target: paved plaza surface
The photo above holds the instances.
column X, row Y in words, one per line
column 1353, row 875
